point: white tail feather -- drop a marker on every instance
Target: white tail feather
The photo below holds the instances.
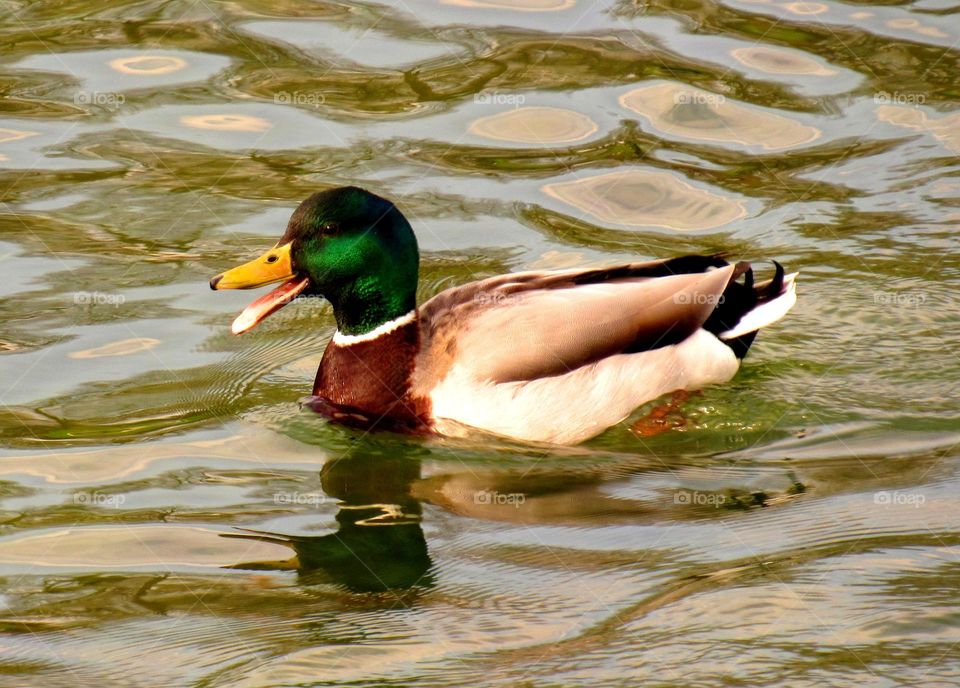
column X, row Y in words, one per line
column 767, row 313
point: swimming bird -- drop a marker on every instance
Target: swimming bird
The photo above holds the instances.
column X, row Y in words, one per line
column 537, row 356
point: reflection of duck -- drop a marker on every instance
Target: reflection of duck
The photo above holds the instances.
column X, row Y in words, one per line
column 379, row 544
column 540, row 497
column 540, row 356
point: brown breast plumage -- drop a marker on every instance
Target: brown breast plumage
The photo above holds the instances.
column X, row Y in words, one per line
column 373, row 377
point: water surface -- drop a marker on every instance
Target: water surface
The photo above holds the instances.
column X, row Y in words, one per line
column 169, row 516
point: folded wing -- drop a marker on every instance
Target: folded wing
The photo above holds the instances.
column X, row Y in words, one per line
column 535, row 324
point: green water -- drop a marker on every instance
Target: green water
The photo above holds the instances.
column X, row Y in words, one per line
column 800, row 526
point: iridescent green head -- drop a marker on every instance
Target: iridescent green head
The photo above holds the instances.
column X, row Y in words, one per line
column 346, row 244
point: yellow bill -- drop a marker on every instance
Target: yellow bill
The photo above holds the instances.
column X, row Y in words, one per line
column 273, row 266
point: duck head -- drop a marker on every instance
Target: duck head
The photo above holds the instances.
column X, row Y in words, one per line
column 348, row 245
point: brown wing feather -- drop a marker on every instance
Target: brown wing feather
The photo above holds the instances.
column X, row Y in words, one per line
column 536, row 324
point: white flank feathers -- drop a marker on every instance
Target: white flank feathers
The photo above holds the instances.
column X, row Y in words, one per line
column 575, row 406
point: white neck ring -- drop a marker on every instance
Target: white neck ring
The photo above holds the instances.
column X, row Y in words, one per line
column 341, row 339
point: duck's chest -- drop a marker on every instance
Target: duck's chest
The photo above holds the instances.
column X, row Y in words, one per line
column 373, row 375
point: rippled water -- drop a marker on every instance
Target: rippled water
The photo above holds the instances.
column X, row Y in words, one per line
column 170, row 518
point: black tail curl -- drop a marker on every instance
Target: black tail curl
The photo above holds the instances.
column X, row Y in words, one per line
column 741, row 298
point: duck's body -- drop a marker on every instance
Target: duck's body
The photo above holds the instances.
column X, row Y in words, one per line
column 536, row 356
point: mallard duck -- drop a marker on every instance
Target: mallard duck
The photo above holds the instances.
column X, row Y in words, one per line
column 539, row 356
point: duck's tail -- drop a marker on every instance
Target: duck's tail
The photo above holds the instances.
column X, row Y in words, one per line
column 746, row 307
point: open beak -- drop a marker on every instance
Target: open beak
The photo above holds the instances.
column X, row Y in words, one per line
column 273, row 266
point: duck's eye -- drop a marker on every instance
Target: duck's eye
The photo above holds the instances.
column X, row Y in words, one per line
column 273, row 259
column 331, row 228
